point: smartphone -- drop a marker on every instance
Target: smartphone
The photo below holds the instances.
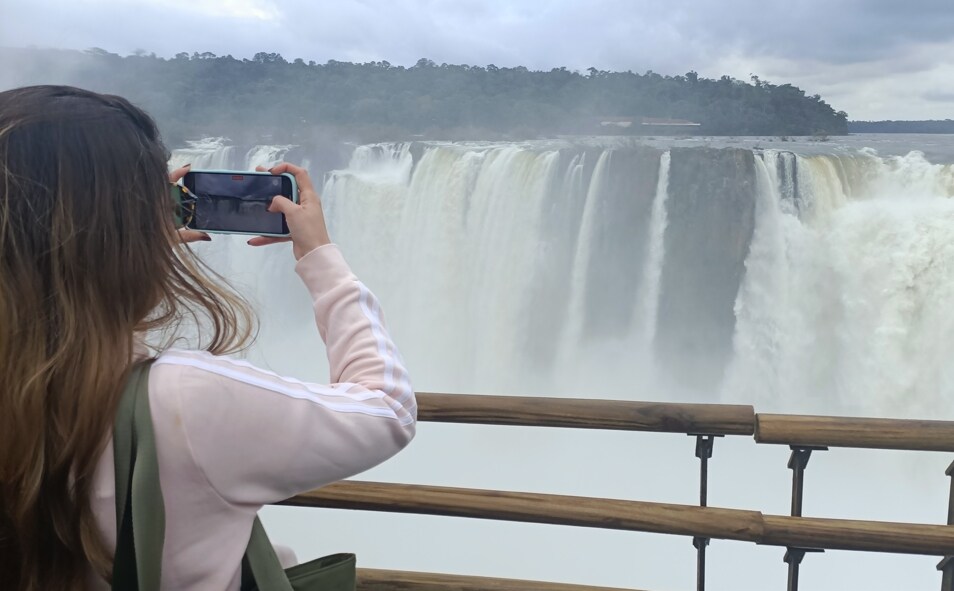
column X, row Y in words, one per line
column 236, row 202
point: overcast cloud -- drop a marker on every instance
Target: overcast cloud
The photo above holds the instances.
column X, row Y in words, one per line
column 875, row 59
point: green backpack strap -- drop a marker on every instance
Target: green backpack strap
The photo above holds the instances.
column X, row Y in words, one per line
column 141, row 518
column 140, row 525
column 261, row 568
column 262, row 571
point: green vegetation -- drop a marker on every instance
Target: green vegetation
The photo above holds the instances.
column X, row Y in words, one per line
column 206, row 95
column 928, row 126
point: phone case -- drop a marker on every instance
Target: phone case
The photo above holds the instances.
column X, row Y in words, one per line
column 294, row 196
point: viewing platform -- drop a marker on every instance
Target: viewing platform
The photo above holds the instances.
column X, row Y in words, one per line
column 797, row 534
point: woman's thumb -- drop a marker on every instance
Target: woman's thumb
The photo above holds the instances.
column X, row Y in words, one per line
column 281, row 204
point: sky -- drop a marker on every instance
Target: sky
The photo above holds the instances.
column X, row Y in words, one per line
column 874, row 59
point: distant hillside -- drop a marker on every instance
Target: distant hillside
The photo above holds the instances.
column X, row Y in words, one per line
column 204, row 94
column 929, row 126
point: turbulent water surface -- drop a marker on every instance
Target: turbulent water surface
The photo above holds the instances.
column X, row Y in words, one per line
column 799, row 276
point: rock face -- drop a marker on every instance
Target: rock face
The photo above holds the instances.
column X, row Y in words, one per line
column 711, row 218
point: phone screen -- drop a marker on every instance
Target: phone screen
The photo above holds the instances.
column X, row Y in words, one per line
column 237, row 202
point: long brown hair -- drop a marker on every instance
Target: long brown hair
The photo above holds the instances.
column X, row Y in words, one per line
column 89, row 257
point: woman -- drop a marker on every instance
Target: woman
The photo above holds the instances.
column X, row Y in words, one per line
column 91, row 260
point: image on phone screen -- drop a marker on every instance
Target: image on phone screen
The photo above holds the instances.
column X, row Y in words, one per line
column 235, row 202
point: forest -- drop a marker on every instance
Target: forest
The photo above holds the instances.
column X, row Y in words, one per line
column 270, row 97
column 926, row 126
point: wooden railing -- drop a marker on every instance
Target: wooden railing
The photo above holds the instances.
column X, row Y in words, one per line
column 796, row 533
column 665, row 417
column 662, row 518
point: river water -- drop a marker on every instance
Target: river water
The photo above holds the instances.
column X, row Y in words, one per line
column 806, row 275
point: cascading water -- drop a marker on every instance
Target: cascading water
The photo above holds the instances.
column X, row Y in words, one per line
column 847, row 308
column 799, row 282
column 649, row 295
column 265, row 155
column 733, row 259
column 219, row 154
column 209, row 153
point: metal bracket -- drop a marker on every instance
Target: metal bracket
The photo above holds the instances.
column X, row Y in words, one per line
column 703, row 452
column 946, row 566
column 950, row 502
column 797, row 463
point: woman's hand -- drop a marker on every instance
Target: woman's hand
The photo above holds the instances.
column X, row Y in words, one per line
column 305, row 219
column 185, row 234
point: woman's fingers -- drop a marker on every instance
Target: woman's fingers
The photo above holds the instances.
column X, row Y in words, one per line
column 178, row 173
column 266, row 240
column 281, row 204
column 193, row 235
column 306, row 190
column 300, row 174
column 305, row 219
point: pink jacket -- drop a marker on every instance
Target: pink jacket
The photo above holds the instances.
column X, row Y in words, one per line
column 232, row 437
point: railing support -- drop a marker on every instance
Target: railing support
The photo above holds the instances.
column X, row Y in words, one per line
column 700, row 545
column 703, row 452
column 793, row 558
column 946, row 566
column 797, row 463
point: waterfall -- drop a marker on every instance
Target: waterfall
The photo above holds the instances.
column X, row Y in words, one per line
column 812, row 281
column 722, row 273
column 220, row 154
column 649, row 300
column 766, row 306
column 209, row 153
column 265, row 156
column 846, row 309
column 583, row 243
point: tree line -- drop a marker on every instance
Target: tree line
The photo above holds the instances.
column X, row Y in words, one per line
column 926, row 126
column 203, row 94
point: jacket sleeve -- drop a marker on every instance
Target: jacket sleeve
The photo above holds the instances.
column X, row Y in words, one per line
column 260, row 438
